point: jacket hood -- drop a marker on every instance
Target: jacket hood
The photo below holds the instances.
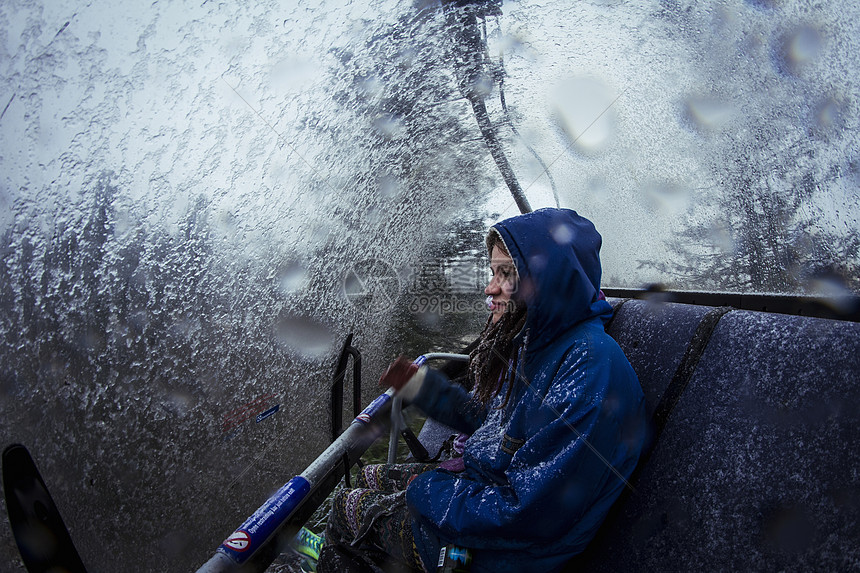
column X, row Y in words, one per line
column 557, row 256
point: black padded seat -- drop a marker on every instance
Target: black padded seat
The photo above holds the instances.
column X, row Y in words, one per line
column 758, row 466
column 654, row 336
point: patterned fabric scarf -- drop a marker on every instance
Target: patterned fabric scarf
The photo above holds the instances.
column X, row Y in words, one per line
column 489, row 361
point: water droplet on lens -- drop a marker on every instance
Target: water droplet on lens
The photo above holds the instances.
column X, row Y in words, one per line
column 226, row 222
column 708, row 113
column 670, row 198
column 291, row 277
column 833, row 292
column 304, row 336
column 830, row 117
column 373, row 215
column 389, row 126
column 319, row 234
column 804, row 45
column 483, row 85
column 598, row 186
column 583, row 111
column 429, row 320
column 721, row 238
column 798, row 49
column 537, row 263
column 562, row 234
column 370, row 88
column 293, row 74
column 178, row 403
column 506, row 44
column 389, row 186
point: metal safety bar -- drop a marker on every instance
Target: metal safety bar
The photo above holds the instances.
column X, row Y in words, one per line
column 337, row 393
column 255, row 544
column 398, row 424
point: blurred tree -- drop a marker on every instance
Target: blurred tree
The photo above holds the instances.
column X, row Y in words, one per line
column 761, row 231
column 411, row 132
column 441, row 307
column 403, row 144
column 767, row 223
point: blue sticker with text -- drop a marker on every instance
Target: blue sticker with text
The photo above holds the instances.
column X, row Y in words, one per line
column 267, row 413
column 372, row 409
column 258, row 528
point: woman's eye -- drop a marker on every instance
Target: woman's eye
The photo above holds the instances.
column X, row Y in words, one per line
column 503, row 273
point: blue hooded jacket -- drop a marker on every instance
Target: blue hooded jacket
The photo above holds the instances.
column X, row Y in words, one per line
column 541, row 474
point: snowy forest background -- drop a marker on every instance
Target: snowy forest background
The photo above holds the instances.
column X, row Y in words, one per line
column 199, row 203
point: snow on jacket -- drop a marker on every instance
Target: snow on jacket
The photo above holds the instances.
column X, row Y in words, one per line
column 541, row 474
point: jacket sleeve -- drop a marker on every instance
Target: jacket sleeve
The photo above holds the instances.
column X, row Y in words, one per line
column 444, row 401
column 564, row 476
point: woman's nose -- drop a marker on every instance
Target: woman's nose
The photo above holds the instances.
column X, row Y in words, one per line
column 492, row 286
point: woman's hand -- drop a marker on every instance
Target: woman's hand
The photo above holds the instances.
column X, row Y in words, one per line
column 398, row 374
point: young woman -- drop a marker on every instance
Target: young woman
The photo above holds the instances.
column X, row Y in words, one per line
column 555, row 420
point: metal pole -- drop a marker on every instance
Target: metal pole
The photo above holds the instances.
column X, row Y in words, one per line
column 254, row 545
column 397, row 422
column 396, row 419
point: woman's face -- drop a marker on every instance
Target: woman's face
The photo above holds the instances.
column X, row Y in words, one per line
column 503, row 282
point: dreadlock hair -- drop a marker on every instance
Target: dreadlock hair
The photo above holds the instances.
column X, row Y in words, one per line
column 488, row 362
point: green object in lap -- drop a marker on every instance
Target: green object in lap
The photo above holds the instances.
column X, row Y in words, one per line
column 308, row 543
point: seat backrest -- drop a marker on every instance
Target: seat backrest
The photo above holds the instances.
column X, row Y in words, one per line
column 654, row 336
column 758, row 465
